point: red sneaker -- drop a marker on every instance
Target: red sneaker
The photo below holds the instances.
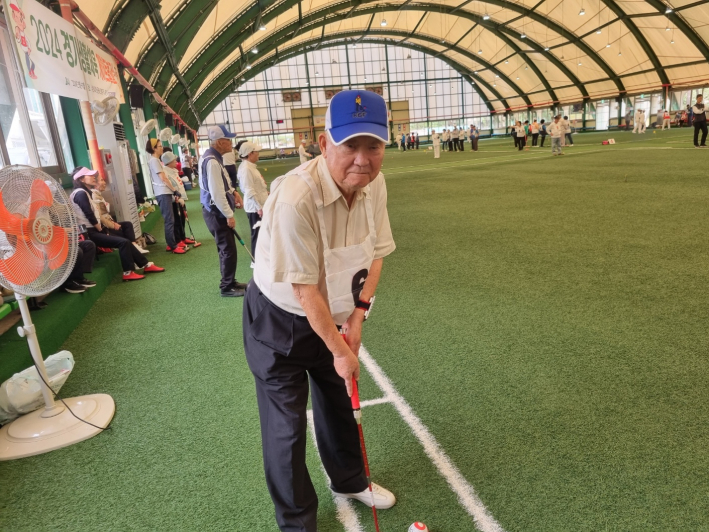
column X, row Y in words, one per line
column 176, row 250
column 153, row 269
column 181, row 244
column 132, row 276
column 189, row 241
column 105, row 250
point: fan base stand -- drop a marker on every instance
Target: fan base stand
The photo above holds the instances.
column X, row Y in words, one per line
column 33, row 434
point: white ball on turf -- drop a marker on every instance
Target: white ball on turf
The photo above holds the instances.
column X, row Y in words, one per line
column 418, row 527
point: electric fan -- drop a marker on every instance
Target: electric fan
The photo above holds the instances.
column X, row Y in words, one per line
column 148, row 127
column 165, row 134
column 38, row 248
column 105, row 111
column 174, row 139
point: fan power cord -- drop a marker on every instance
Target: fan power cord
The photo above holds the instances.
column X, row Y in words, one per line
column 56, row 396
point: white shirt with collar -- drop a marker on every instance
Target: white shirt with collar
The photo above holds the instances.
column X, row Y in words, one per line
column 215, row 184
column 289, row 248
column 252, row 185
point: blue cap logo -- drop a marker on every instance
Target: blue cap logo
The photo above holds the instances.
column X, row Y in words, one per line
column 368, row 117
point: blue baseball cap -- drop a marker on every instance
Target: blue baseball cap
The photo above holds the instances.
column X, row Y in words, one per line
column 219, row 132
column 355, row 113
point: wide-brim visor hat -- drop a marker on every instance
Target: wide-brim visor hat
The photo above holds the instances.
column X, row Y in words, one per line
column 357, row 113
column 84, row 172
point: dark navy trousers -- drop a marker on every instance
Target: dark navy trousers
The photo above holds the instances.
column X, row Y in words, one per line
column 287, row 358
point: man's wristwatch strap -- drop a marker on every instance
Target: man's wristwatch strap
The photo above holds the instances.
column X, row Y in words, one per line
column 366, row 306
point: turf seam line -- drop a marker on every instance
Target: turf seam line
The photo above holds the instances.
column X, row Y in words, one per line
column 467, row 496
column 345, row 509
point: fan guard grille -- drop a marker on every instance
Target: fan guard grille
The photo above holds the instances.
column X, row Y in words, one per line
column 46, row 240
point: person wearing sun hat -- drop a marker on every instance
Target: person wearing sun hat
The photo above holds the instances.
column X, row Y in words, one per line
column 324, row 234
column 254, row 188
column 165, row 194
column 88, row 220
column 219, row 200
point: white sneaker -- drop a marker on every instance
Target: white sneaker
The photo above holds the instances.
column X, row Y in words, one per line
column 252, row 265
column 383, row 498
column 142, row 250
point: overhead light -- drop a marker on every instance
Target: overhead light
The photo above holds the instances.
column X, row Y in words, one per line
column 262, row 27
column 497, row 75
column 608, row 45
column 248, row 66
column 480, row 52
column 486, row 17
column 254, row 50
column 598, row 31
column 365, row 79
column 582, row 12
column 526, row 67
column 507, row 61
column 494, row 84
column 475, row 72
column 579, row 63
column 334, row 62
column 546, row 49
column 317, row 73
column 443, row 41
column 668, row 10
column 517, row 77
column 619, row 54
column 672, row 41
column 354, row 45
column 523, row 36
column 383, row 23
column 668, row 28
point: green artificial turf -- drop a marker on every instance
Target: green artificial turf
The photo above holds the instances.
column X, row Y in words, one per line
column 544, row 316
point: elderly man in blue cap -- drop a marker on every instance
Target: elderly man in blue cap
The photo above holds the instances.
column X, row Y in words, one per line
column 324, row 235
column 219, row 200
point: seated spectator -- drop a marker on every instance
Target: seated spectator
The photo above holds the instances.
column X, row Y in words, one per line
column 123, row 229
column 85, row 255
column 88, row 220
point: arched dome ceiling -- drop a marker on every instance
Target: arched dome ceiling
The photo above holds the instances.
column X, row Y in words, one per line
column 518, row 53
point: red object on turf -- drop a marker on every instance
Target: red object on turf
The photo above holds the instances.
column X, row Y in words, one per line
column 153, row 269
column 177, row 250
column 132, row 276
column 188, row 241
column 181, row 244
column 196, row 244
column 105, row 250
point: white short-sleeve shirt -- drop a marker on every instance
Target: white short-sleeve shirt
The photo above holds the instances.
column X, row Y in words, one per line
column 289, row 248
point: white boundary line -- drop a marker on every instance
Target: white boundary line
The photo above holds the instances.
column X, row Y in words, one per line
column 467, row 497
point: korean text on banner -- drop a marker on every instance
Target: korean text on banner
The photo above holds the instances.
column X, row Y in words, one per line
column 55, row 58
column 100, row 71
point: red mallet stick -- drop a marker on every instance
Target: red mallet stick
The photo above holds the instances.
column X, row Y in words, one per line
column 357, row 410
